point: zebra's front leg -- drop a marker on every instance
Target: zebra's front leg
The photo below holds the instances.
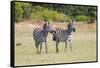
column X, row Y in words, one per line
column 65, row 46
column 70, row 45
column 46, row 47
column 37, row 45
column 40, row 47
column 57, row 50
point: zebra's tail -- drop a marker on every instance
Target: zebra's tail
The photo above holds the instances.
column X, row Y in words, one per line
column 55, row 33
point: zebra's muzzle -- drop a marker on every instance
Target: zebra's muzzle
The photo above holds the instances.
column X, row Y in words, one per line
column 74, row 29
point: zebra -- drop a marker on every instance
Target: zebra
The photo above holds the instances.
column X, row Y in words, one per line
column 60, row 35
column 40, row 36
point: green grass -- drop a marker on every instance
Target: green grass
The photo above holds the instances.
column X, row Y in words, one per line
column 83, row 48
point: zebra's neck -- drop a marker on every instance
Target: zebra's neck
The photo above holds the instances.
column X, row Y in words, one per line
column 69, row 31
column 45, row 33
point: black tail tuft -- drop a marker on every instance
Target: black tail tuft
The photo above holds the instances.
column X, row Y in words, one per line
column 54, row 38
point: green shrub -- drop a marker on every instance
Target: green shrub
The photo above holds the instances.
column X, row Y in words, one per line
column 68, row 19
column 82, row 18
column 18, row 12
column 45, row 13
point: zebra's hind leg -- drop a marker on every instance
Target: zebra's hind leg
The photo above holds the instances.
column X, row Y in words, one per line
column 37, row 50
column 46, row 47
column 40, row 47
column 57, row 50
column 65, row 46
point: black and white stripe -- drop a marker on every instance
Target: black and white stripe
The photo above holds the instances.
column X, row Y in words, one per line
column 40, row 36
column 60, row 35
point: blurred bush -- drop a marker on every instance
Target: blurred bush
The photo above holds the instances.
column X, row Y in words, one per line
column 82, row 18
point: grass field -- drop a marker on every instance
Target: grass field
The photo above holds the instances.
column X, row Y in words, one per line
column 83, row 47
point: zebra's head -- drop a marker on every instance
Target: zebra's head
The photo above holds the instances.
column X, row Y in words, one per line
column 71, row 26
column 46, row 27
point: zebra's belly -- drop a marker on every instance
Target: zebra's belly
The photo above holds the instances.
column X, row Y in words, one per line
column 64, row 39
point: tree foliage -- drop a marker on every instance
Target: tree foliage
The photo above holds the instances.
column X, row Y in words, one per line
column 18, row 11
column 53, row 12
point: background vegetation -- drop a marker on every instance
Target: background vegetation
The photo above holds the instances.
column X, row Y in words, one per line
column 53, row 12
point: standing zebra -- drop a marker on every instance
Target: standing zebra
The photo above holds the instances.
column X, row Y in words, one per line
column 64, row 35
column 40, row 36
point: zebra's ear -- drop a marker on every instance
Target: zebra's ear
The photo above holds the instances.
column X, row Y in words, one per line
column 48, row 23
column 73, row 21
column 45, row 24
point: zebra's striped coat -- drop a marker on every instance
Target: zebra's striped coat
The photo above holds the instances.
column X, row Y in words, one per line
column 64, row 35
column 41, row 36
